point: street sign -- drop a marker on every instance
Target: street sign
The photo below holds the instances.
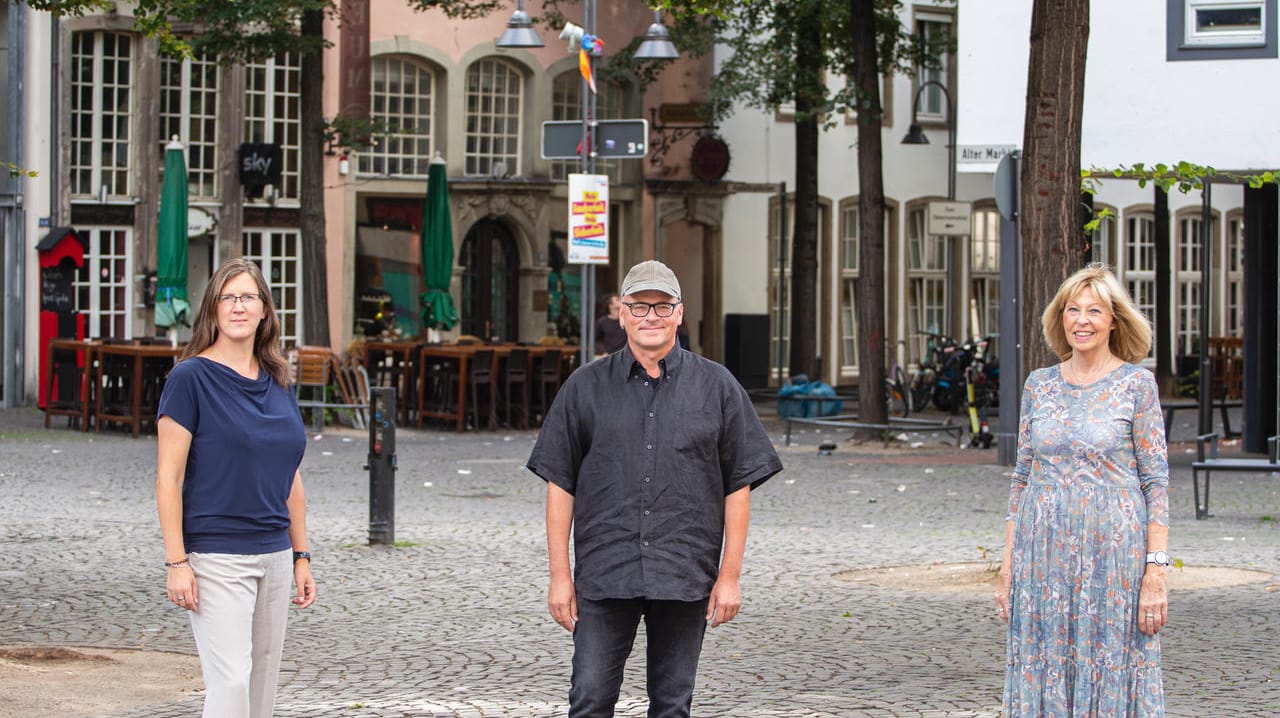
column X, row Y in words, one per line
column 613, row 138
column 949, row 219
column 982, row 154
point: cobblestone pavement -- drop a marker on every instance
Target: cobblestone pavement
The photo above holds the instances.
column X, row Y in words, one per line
column 452, row 621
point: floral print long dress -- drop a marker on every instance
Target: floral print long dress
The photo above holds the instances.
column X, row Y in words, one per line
column 1092, row 473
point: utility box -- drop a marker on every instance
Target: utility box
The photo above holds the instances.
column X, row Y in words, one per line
column 61, row 256
column 746, row 349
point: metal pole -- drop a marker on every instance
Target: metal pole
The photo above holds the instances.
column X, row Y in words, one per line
column 382, row 465
column 1010, row 314
column 782, row 266
column 1205, row 407
column 951, row 144
column 587, row 159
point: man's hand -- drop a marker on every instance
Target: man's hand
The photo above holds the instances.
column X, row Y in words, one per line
column 563, row 603
column 725, row 602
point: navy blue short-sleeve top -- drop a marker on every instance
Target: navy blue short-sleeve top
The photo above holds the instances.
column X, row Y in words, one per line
column 247, row 441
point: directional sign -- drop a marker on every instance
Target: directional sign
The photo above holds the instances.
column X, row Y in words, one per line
column 613, row 139
column 949, row 219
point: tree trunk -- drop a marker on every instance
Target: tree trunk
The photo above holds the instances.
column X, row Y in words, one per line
column 315, row 297
column 804, row 237
column 872, row 405
column 1051, row 231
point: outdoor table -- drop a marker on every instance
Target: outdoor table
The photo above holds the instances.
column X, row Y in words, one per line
column 78, row 408
column 462, row 354
column 137, row 354
column 400, row 371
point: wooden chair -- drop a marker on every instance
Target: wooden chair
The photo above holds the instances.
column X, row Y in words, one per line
column 516, row 375
column 321, row 382
column 548, row 376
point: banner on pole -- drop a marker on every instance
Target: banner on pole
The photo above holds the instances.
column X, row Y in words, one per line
column 588, row 219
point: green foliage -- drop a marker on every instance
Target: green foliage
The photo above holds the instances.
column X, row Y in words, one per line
column 351, row 134
column 16, row 171
column 1183, row 176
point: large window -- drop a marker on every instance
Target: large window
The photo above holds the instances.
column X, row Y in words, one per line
column 278, row 253
column 189, row 111
column 780, row 283
column 104, row 286
column 495, row 93
column 1187, row 283
column 1233, row 277
column 934, row 31
column 273, row 113
column 566, row 104
column 849, row 232
column 402, row 96
column 101, row 85
column 1140, row 266
column 928, row 269
column 1102, row 242
column 985, row 270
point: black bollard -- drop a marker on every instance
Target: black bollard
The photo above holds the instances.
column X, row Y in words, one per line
column 382, row 465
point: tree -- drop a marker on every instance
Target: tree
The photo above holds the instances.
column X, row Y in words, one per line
column 860, row 40
column 1051, row 227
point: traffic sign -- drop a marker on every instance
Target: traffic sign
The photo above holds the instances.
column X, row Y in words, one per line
column 614, row 139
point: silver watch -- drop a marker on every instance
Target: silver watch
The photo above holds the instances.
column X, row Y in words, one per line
column 1159, row 558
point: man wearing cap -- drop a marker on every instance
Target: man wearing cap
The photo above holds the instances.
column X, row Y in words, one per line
column 650, row 455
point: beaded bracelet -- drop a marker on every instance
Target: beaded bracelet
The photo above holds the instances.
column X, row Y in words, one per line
column 176, row 564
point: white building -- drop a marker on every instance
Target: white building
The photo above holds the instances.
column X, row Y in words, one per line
column 1153, row 94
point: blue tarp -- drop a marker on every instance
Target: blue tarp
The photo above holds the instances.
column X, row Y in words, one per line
column 806, row 408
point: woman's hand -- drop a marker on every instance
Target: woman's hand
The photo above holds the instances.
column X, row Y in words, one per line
column 1003, row 583
column 181, row 586
column 305, row 584
column 1153, row 600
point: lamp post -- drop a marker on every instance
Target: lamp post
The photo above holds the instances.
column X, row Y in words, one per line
column 916, row 136
column 657, row 45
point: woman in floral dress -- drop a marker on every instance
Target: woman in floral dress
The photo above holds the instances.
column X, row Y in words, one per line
column 1082, row 583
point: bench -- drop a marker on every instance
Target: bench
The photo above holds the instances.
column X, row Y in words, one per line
column 1222, row 405
column 1208, row 461
column 850, row 421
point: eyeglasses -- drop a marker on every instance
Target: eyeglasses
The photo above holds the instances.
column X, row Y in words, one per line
column 641, row 309
column 247, row 300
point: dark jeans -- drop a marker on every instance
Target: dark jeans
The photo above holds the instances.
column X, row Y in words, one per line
column 602, row 641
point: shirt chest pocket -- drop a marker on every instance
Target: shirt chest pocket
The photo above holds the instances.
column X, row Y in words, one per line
column 695, row 433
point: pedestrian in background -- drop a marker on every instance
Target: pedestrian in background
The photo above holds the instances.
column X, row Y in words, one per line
column 610, row 336
column 650, row 455
column 1082, row 582
column 229, row 494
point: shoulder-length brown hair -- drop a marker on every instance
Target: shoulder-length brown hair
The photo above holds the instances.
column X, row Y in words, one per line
column 266, row 343
column 1130, row 337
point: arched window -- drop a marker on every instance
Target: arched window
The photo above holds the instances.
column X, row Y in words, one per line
column 402, row 96
column 566, row 104
column 928, row 283
column 984, row 270
column 495, row 97
column 1140, row 266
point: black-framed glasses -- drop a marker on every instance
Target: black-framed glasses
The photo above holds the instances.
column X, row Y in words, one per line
column 246, row 300
column 641, row 309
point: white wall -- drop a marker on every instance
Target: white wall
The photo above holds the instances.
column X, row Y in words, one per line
column 1138, row 106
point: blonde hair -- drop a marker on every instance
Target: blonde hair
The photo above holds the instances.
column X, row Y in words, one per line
column 266, row 342
column 1130, row 336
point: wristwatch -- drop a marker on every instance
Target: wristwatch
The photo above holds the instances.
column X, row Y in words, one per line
column 1159, row 558
column 307, row 555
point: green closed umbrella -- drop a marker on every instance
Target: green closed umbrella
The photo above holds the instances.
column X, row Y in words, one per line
column 172, row 307
column 438, row 311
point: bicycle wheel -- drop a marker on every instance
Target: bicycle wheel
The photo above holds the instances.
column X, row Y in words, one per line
column 921, row 391
column 897, row 397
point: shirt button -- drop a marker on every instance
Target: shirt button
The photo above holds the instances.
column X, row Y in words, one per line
column 646, row 512
column 647, row 479
column 646, row 543
column 651, row 415
column 646, row 383
column 648, row 446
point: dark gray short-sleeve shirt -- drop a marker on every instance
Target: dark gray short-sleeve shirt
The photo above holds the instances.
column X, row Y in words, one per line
column 649, row 463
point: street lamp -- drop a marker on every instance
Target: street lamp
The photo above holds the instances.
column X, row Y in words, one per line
column 519, row 32
column 916, row 136
column 657, row 43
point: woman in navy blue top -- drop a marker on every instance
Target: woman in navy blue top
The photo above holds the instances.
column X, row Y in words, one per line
column 229, row 494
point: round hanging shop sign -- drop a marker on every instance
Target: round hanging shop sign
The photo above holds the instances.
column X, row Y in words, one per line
column 710, row 158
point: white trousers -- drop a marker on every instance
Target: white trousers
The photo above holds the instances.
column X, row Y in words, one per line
column 239, row 629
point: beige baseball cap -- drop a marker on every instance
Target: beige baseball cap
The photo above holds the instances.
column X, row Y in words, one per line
column 651, row 275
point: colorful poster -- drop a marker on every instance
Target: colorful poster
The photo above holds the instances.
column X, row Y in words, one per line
column 588, row 219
